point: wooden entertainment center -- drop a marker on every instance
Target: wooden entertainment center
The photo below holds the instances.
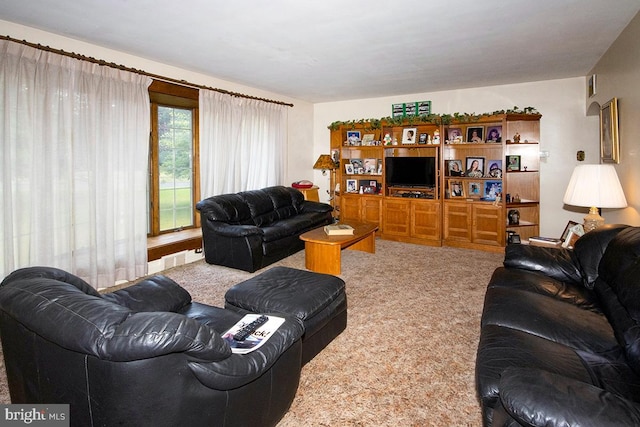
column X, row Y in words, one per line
column 437, row 198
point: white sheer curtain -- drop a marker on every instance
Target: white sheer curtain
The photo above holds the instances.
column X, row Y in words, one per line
column 74, row 163
column 242, row 143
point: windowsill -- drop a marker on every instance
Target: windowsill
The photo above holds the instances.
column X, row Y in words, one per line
column 170, row 243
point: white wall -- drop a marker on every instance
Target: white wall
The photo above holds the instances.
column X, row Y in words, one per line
column 300, row 157
column 618, row 75
column 564, row 129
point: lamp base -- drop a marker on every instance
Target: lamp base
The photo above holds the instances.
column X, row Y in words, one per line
column 593, row 220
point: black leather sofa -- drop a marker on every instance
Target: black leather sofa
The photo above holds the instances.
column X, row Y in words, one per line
column 560, row 334
column 145, row 355
column 252, row 229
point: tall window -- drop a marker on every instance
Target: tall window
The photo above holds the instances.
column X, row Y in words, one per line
column 173, row 161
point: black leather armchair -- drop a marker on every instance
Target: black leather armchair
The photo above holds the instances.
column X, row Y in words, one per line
column 560, row 334
column 143, row 355
column 252, row 229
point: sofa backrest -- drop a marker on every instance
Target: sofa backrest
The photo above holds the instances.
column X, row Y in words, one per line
column 227, row 208
column 590, row 248
column 77, row 318
column 618, row 288
column 253, row 207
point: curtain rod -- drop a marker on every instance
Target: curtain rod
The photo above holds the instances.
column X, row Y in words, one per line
column 142, row 72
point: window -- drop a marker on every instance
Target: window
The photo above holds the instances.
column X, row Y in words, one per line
column 174, row 185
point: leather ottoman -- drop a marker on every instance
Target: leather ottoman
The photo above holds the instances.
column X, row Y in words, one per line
column 318, row 300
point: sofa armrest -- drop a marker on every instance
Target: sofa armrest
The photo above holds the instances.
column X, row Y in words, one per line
column 156, row 293
column 229, row 230
column 241, row 369
column 558, row 263
column 534, row 397
column 311, row 206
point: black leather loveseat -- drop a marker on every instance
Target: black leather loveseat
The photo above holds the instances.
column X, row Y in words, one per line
column 145, row 355
column 560, row 334
column 252, row 229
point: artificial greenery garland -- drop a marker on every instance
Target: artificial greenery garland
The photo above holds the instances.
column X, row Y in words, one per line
column 438, row 119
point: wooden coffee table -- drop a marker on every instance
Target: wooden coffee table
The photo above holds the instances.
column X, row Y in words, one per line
column 322, row 252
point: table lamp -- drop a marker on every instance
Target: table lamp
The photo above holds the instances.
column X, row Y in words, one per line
column 595, row 187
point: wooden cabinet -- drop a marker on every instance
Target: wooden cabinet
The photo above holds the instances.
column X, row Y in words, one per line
column 486, row 179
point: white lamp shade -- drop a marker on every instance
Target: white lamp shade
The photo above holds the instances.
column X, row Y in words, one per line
column 595, row 186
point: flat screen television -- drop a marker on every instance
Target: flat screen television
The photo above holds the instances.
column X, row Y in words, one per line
column 410, row 171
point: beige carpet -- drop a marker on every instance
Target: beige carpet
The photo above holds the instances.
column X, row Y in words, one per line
column 407, row 356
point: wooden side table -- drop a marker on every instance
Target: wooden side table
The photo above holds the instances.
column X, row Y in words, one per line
column 310, row 193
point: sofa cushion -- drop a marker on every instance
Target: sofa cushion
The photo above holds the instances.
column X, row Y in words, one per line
column 228, row 208
column 260, row 205
column 590, row 248
column 286, row 201
column 618, row 287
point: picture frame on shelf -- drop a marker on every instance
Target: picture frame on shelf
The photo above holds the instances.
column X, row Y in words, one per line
column 367, row 139
column 609, row 138
column 494, row 134
column 513, row 163
column 475, row 189
column 352, row 186
column 370, row 166
column 348, row 168
column 474, row 167
column 358, row 166
column 409, row 135
column 495, row 169
column 379, row 166
column 454, row 135
column 453, row 167
column 492, row 190
column 475, row 134
column 353, row 137
column 456, row 189
column 423, row 139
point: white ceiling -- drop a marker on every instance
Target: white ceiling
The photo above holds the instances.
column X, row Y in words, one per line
column 333, row 50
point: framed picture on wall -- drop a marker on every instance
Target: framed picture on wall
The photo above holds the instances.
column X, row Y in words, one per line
column 609, row 140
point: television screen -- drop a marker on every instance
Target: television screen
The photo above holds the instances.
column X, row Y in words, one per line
column 410, row 171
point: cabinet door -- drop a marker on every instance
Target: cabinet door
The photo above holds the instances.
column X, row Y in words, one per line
column 396, row 217
column 425, row 220
column 457, row 221
column 488, row 226
column 371, row 209
column 350, row 209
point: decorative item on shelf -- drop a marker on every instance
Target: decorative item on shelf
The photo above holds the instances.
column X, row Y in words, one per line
column 513, row 163
column 353, row 137
column 436, row 137
column 516, row 138
column 595, row 187
column 512, row 237
column 514, row 217
column 387, row 139
column 516, row 198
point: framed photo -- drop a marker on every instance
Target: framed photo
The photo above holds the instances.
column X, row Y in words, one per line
column 453, row 167
column 352, row 186
column 475, row 167
column 456, row 189
column 494, row 133
column 565, row 233
column 409, row 136
column 513, row 163
column 358, row 166
column 370, row 166
column 454, row 135
column 348, row 169
column 495, row 169
column 367, row 139
column 475, row 189
column 475, row 134
column 353, row 137
column 424, row 138
column 609, row 139
column 379, row 166
column 492, row 189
